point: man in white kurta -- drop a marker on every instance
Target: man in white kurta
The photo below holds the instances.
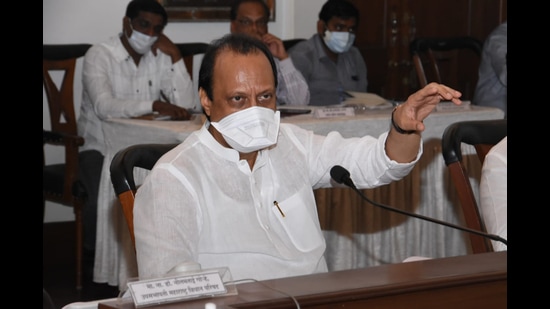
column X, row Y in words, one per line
column 254, row 211
column 137, row 72
column 201, row 203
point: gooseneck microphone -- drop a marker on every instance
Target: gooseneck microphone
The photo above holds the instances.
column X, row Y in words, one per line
column 342, row 175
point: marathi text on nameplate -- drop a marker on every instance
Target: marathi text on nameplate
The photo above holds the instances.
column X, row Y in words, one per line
column 329, row 112
column 176, row 288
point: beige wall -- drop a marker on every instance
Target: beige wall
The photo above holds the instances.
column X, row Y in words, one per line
column 79, row 21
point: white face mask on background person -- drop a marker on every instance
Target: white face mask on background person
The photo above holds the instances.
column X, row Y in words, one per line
column 250, row 129
column 140, row 42
column 339, row 41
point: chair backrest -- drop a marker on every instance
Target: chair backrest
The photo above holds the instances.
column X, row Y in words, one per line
column 291, row 42
column 61, row 57
column 63, row 132
column 188, row 51
column 441, row 60
column 122, row 174
column 483, row 135
column 60, row 182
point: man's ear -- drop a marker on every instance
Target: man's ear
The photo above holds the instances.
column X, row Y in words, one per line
column 205, row 101
column 126, row 28
column 321, row 27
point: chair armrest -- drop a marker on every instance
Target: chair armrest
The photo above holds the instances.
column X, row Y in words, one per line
column 58, row 138
column 71, row 144
column 476, row 132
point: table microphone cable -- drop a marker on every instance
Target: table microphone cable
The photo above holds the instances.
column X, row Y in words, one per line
column 342, row 176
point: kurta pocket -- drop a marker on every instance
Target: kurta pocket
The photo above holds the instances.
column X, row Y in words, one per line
column 300, row 222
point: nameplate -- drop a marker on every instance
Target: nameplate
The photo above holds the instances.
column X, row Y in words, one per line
column 329, row 112
column 176, row 288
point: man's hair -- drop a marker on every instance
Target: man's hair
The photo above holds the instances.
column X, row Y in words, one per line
column 238, row 43
column 338, row 8
column 152, row 6
column 237, row 3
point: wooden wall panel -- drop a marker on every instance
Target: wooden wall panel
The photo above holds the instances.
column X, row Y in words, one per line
column 389, row 70
column 371, row 41
column 486, row 15
column 441, row 18
column 371, row 26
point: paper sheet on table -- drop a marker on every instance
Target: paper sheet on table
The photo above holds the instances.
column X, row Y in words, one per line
column 369, row 100
column 153, row 116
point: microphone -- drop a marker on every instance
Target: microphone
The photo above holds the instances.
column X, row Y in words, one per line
column 342, row 175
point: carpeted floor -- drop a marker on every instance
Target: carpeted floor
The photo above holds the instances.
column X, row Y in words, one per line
column 58, row 270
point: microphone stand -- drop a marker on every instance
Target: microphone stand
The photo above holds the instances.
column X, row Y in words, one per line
column 351, row 185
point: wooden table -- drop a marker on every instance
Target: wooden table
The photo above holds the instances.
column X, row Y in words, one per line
column 470, row 281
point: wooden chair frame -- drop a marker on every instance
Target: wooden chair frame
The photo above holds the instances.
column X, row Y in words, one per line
column 288, row 44
column 429, row 54
column 122, row 175
column 60, row 182
column 188, row 52
column 483, row 135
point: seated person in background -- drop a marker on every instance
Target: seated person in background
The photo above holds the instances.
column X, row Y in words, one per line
column 251, row 17
column 328, row 60
column 136, row 72
column 492, row 83
column 493, row 192
column 223, row 198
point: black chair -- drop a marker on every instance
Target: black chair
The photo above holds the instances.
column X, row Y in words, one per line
column 60, row 182
column 122, row 174
column 188, row 51
column 291, row 42
column 483, row 135
column 439, row 60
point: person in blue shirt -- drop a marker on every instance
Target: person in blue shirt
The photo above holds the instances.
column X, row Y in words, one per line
column 328, row 60
column 492, row 83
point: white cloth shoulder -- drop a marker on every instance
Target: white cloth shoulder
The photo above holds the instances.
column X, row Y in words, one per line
column 493, row 192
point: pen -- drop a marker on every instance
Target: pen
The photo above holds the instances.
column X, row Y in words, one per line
column 277, row 204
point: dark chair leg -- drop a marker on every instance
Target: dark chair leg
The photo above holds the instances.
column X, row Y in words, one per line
column 78, row 224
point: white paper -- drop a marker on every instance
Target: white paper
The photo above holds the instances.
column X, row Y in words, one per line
column 330, row 112
column 365, row 98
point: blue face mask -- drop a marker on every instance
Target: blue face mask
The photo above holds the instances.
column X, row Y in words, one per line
column 339, row 41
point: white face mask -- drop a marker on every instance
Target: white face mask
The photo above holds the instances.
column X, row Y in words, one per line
column 339, row 41
column 140, row 42
column 250, row 129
